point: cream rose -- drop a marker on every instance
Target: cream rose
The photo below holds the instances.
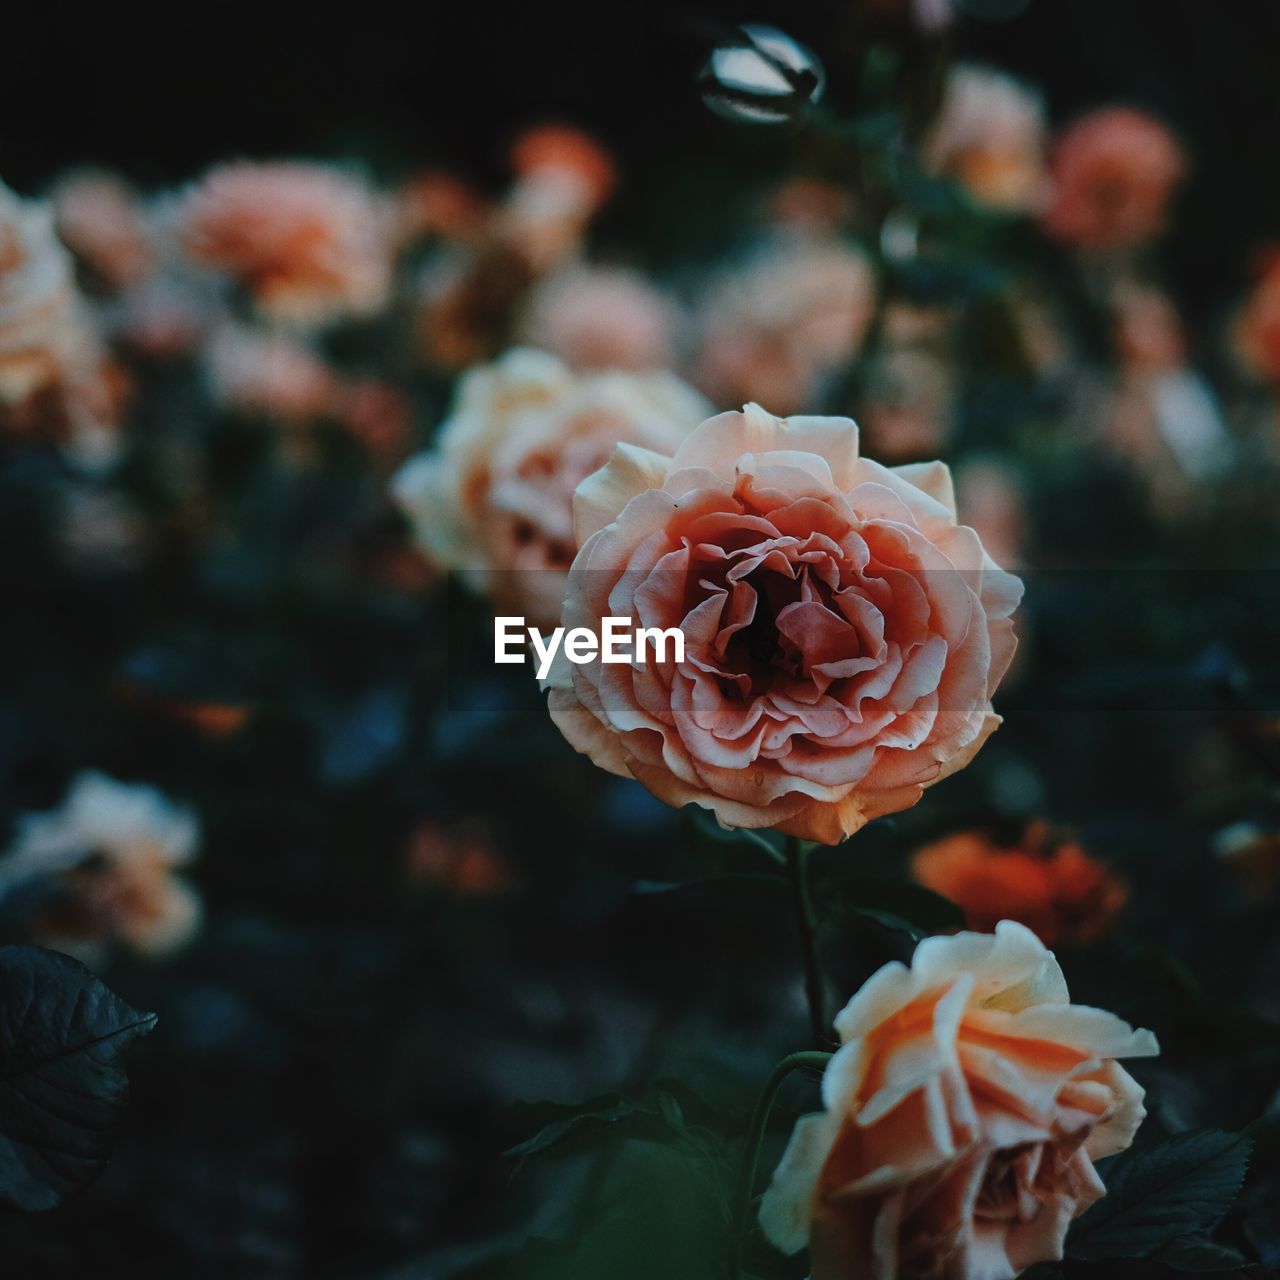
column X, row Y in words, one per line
column 494, row 498
column 112, row 847
column 963, row 1114
column 843, row 634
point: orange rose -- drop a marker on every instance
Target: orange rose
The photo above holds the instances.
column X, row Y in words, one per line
column 843, row 634
column 1051, row 886
column 963, row 1114
column 311, row 244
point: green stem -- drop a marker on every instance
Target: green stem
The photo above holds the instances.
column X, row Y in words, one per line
column 755, row 1139
column 797, row 863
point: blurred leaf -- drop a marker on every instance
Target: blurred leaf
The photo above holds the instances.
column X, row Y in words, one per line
column 672, row 1114
column 62, row 1084
column 1197, row 1255
column 896, row 905
column 706, row 831
column 1161, row 1191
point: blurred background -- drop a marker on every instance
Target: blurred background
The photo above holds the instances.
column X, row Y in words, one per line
column 392, row 925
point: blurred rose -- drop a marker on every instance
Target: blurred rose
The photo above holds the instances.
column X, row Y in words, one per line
column 1045, row 881
column 962, row 1117
column 252, row 372
column 110, row 850
column 1252, row 855
column 843, row 634
column 161, row 318
column 775, row 329
column 1257, row 327
column 908, row 406
column 990, row 136
column 562, row 178
column 461, row 860
column 495, row 494
column 55, row 379
column 102, row 221
column 468, row 304
column 310, row 243
column 439, row 205
column 602, row 318
column 810, row 208
column 1114, row 173
column 990, row 494
column 377, row 415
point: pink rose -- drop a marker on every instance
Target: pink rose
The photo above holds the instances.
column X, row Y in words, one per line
column 963, row 1114
column 1114, row 173
column 843, row 634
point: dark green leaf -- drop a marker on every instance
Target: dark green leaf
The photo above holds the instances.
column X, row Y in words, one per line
column 1196, row 1255
column 62, row 1082
column 909, row 907
column 707, row 831
column 1161, row 1191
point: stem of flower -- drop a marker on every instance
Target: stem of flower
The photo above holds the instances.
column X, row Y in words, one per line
column 755, row 1139
column 797, row 864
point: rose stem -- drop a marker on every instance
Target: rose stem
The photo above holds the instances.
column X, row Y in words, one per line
column 754, row 1141
column 797, row 863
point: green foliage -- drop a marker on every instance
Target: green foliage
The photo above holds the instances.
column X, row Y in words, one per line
column 62, row 1079
column 1161, row 1191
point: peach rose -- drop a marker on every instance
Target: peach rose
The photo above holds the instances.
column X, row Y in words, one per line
column 55, row 378
column 602, row 318
column 270, row 374
column 775, row 329
column 310, row 243
column 563, row 177
column 1114, row 173
column 990, row 136
column 1045, row 881
column 963, row 1114
column 843, row 634
column 111, row 847
column 101, row 220
column 494, row 497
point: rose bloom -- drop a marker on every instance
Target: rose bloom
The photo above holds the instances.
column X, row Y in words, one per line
column 267, row 373
column 494, row 497
column 962, row 1117
column 310, row 243
column 990, row 136
column 563, row 177
column 1044, row 881
column 101, row 220
column 1114, row 173
column 843, row 634
column 55, row 379
column 774, row 330
column 602, row 318
column 110, row 850
column 991, row 494
column 40, row 328
column 440, row 205
column 1257, row 327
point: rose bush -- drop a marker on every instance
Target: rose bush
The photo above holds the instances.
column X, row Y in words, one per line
column 843, row 634
column 963, row 1114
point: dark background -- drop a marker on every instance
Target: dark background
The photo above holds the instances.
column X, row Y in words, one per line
column 161, row 89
